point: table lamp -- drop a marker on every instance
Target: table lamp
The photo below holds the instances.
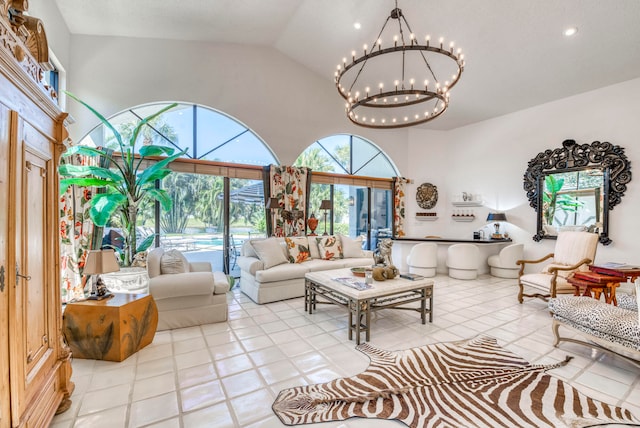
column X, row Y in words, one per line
column 99, row 262
column 497, row 217
column 326, row 206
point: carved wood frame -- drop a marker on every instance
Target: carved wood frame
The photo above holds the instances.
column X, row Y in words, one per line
column 570, row 157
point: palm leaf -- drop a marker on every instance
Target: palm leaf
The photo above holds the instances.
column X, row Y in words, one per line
column 87, row 170
column 104, row 121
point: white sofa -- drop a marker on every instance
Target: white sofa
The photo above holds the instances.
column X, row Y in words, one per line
column 285, row 280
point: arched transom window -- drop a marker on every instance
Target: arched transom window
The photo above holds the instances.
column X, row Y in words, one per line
column 207, row 134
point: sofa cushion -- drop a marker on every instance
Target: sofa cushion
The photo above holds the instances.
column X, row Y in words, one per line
column 282, row 272
column 318, row 265
column 298, row 249
column 351, row 247
column 329, row 247
column 269, row 251
column 173, row 261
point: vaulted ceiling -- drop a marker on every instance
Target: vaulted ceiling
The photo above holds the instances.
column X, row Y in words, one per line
column 516, row 53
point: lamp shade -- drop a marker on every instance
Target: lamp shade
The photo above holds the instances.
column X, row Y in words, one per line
column 496, row 217
column 326, row 204
column 272, row 203
column 100, row 261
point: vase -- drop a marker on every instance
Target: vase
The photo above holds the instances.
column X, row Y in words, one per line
column 133, row 280
column 312, row 223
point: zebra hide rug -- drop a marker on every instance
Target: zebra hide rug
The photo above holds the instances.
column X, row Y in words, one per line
column 470, row 383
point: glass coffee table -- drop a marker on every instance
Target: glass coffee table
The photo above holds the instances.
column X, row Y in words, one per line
column 322, row 287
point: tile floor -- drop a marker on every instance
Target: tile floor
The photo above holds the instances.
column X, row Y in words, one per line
column 228, row 374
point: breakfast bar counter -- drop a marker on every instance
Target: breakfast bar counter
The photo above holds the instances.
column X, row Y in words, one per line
column 488, row 247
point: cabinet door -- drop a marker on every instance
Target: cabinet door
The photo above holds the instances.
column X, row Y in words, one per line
column 32, row 338
column 4, row 292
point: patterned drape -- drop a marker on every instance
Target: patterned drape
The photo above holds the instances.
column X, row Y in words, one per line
column 399, row 187
column 290, row 185
column 76, row 234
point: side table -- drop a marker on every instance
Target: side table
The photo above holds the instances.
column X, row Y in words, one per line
column 111, row 329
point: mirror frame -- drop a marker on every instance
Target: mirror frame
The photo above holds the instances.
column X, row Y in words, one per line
column 574, row 157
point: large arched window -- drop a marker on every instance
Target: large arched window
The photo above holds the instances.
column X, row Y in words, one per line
column 207, row 134
column 355, row 176
column 218, row 201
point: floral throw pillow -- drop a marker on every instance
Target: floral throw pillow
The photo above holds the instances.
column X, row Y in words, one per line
column 329, row 247
column 298, row 249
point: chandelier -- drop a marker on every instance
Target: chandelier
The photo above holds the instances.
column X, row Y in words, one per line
column 397, row 86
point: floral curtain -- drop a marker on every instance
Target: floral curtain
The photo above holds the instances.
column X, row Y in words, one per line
column 289, row 184
column 76, row 234
column 399, row 187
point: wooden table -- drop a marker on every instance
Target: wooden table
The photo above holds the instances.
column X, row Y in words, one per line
column 602, row 280
column 389, row 294
column 111, row 329
column 587, row 288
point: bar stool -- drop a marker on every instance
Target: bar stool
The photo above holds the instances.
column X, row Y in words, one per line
column 422, row 259
column 462, row 261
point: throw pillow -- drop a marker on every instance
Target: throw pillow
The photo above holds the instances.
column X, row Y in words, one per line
column 173, row 261
column 269, row 252
column 351, row 247
column 313, row 247
column 298, row 249
column 329, row 247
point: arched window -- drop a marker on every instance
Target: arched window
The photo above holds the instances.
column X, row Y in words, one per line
column 358, row 207
column 215, row 207
column 347, row 154
column 207, row 134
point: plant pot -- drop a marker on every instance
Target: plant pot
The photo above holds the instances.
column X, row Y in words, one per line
column 127, row 280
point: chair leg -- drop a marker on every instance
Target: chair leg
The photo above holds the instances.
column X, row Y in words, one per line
column 521, row 292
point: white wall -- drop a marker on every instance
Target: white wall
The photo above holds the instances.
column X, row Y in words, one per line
column 58, row 37
column 491, row 157
column 284, row 103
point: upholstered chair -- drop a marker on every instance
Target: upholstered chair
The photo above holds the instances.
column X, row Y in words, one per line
column 503, row 265
column 573, row 251
column 186, row 294
column 422, row 259
column 463, row 261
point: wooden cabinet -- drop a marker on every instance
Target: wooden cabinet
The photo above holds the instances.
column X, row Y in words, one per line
column 34, row 362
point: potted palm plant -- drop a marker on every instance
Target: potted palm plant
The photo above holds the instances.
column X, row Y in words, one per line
column 126, row 184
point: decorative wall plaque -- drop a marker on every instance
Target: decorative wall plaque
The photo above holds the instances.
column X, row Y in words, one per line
column 427, row 196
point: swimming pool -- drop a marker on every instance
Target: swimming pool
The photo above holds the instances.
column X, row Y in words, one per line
column 209, row 242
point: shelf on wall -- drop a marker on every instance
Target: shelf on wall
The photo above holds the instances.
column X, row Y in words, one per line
column 463, row 217
column 426, row 217
column 467, row 203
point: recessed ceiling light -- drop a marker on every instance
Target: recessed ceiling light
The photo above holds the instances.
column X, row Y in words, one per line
column 571, row 31
column 356, row 25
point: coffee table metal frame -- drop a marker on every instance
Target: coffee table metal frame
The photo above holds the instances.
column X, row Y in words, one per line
column 360, row 304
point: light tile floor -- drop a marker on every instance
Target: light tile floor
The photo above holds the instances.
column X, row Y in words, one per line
column 228, row 374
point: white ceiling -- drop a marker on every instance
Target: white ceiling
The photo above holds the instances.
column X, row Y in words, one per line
column 516, row 54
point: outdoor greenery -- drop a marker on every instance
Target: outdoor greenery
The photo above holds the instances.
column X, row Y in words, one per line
column 125, row 184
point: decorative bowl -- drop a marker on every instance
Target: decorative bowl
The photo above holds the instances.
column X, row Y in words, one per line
column 358, row 271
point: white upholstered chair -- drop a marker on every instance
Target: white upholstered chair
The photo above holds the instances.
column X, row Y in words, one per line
column 463, row 261
column 503, row 265
column 573, row 251
column 194, row 297
column 422, row 259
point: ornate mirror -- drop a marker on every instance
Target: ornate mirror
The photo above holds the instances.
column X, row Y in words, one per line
column 574, row 187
